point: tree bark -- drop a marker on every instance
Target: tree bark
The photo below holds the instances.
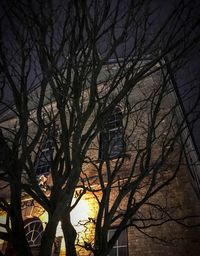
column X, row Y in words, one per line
column 18, row 238
column 48, row 237
column 69, row 235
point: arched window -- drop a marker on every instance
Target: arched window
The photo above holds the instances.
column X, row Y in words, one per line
column 111, row 137
column 34, row 230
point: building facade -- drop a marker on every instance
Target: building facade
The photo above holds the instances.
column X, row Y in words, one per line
column 138, row 142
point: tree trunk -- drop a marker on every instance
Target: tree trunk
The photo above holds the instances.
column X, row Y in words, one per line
column 19, row 242
column 69, row 235
column 48, row 237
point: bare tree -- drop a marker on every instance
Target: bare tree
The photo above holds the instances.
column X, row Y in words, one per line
column 83, row 59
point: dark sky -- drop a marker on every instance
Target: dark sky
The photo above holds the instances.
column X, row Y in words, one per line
column 188, row 79
column 189, row 84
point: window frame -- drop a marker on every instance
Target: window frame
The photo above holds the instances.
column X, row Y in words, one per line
column 34, row 230
column 44, row 156
column 117, row 245
column 111, row 143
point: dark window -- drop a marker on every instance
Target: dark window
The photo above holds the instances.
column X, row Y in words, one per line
column 34, row 230
column 121, row 246
column 45, row 153
column 111, row 137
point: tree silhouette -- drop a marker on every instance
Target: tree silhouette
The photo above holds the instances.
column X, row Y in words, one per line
column 90, row 75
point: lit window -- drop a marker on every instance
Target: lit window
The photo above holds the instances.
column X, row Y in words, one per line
column 121, row 246
column 111, row 138
column 43, row 160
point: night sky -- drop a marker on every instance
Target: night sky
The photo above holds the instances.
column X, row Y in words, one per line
column 188, row 79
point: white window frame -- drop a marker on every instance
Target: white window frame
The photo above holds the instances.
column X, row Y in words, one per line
column 117, row 245
column 34, row 230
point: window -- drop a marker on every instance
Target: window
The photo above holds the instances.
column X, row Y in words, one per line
column 43, row 160
column 121, row 246
column 111, row 138
column 34, row 230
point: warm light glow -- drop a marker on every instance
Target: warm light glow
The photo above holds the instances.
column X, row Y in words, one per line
column 59, row 233
column 80, row 212
column 81, row 217
column 3, row 221
column 44, row 218
column 59, row 230
column 2, row 229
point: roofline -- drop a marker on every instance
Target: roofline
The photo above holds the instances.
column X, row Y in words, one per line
column 174, row 83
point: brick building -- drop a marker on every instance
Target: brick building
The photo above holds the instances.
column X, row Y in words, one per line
column 144, row 139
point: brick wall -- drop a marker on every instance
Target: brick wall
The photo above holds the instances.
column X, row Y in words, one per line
column 183, row 241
